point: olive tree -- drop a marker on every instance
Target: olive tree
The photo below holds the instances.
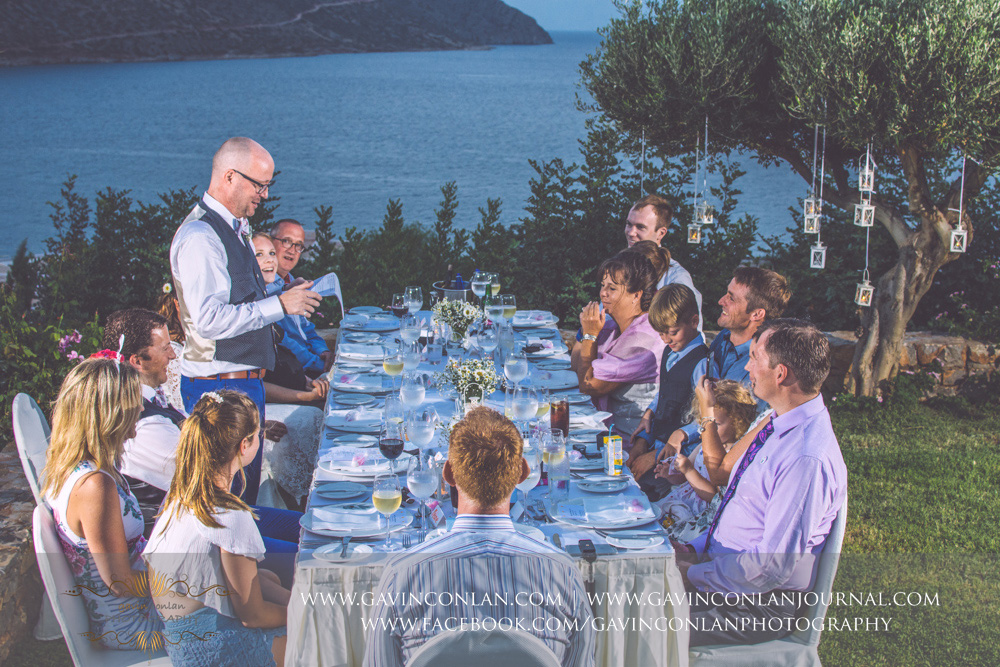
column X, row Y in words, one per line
column 916, row 80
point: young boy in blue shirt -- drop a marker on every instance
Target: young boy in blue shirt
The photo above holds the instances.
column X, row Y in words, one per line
column 674, row 314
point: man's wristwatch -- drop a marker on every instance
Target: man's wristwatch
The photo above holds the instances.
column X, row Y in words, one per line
column 588, row 337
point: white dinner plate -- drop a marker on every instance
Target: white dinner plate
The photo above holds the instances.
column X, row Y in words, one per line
column 529, row 531
column 365, row 310
column 331, row 552
column 553, row 365
column 634, row 539
column 354, row 400
column 398, row 520
column 602, row 484
column 361, row 337
column 355, row 440
column 603, row 524
column 547, row 320
column 575, row 398
column 586, row 465
column 368, row 470
column 340, row 490
column 337, row 422
column 555, row 380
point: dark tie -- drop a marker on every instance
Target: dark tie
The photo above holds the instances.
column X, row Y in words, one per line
column 748, row 458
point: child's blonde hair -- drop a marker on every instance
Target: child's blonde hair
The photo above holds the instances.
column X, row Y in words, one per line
column 98, row 405
column 736, row 400
column 210, row 440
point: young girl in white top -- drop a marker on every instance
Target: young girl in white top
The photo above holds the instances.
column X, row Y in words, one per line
column 218, row 607
column 97, row 518
column 693, row 500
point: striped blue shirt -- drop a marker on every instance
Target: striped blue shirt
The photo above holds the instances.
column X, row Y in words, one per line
column 482, row 575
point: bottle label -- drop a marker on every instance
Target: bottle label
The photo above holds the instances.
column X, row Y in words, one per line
column 613, row 454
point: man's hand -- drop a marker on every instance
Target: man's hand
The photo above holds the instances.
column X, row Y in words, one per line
column 675, row 442
column 299, row 300
column 705, row 392
column 274, row 430
column 327, row 358
column 592, row 319
column 645, row 424
column 319, row 388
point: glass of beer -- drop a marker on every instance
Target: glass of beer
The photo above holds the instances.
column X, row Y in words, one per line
column 559, row 414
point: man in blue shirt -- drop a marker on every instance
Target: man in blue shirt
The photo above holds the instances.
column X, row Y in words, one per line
column 300, row 334
column 752, row 296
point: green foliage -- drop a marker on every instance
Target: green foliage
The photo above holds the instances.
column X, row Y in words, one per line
column 22, row 278
column 35, row 358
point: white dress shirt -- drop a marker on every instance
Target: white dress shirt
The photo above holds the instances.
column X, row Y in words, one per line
column 678, row 274
column 151, row 455
column 198, row 263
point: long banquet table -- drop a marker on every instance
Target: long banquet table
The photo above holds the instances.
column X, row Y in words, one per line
column 639, row 599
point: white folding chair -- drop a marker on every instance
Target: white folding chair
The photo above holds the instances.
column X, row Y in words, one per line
column 496, row 648
column 31, row 433
column 69, row 609
column 799, row 649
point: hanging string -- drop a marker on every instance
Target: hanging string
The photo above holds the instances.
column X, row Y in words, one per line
column 822, row 176
column 694, row 189
column 812, row 189
column 961, row 193
column 704, row 189
column 642, row 168
column 868, row 230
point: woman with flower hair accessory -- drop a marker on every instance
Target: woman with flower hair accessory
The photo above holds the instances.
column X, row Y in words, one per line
column 97, row 517
column 218, row 606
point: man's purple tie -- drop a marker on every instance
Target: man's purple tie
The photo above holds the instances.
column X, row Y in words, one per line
column 748, row 458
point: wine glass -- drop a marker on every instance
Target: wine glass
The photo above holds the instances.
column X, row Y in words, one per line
column 489, row 338
column 399, row 305
column 386, row 497
column 494, row 309
column 411, row 356
column 414, row 298
column 531, row 455
column 509, row 306
column 392, row 362
column 479, row 286
column 409, row 329
column 420, row 426
column 543, row 403
column 422, row 481
column 525, row 405
column 392, row 412
column 495, row 282
column 515, row 366
column 390, row 442
column 412, row 390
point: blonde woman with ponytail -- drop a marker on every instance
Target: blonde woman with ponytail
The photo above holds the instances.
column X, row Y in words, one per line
column 97, row 517
column 218, row 607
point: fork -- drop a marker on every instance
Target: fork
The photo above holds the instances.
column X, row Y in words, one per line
column 406, row 540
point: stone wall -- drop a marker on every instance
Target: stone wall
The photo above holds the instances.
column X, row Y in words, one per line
column 21, row 589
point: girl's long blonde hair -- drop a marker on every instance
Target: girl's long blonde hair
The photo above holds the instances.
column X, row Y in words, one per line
column 97, row 408
column 210, row 440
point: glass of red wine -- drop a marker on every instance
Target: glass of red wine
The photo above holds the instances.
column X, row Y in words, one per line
column 400, row 305
column 390, row 442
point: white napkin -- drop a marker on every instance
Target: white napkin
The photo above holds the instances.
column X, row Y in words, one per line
column 544, row 342
column 363, row 381
column 364, row 351
column 347, row 455
column 354, row 321
column 531, row 316
column 616, row 509
column 594, row 421
column 363, row 414
column 338, row 519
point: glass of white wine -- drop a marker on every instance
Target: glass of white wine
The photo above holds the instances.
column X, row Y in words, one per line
column 495, row 282
column 543, row 403
column 386, row 497
column 509, row 306
column 392, row 362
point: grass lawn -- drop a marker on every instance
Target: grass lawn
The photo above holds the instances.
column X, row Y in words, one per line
column 924, row 486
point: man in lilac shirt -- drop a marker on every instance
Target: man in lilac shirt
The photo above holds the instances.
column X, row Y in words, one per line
column 783, row 495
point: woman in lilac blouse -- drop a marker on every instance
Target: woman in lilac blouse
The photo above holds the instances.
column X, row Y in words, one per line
column 618, row 360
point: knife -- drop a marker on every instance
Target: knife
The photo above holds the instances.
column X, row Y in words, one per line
column 346, row 541
column 557, row 540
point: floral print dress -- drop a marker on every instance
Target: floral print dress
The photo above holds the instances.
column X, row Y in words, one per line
column 126, row 623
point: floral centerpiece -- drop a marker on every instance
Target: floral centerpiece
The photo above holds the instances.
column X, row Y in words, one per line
column 471, row 378
column 459, row 315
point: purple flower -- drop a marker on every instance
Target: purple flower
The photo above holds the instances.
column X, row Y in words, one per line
column 74, row 356
column 879, row 399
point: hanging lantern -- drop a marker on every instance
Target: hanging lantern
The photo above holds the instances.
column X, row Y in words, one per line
column 694, row 233
column 959, row 239
column 864, row 215
column 812, row 206
column 811, row 225
column 704, row 214
column 817, row 256
column 863, row 294
column 866, row 179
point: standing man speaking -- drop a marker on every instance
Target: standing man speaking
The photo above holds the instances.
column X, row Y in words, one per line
column 220, row 290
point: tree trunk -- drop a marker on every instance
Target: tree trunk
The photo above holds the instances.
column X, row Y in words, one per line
column 897, row 294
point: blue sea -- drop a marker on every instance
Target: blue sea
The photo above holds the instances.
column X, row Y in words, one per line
column 347, row 131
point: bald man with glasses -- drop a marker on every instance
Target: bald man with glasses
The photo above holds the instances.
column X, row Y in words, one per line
column 224, row 308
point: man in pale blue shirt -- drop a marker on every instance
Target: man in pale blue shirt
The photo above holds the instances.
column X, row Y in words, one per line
column 482, row 573
column 300, row 334
column 781, row 501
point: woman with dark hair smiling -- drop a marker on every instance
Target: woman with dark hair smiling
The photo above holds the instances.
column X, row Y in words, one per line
column 618, row 359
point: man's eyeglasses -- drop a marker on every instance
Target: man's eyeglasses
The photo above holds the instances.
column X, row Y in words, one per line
column 289, row 244
column 257, row 185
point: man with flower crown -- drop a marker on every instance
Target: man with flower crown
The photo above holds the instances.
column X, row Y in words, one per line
column 224, row 310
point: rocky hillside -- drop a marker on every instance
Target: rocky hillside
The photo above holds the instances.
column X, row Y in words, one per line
column 75, row 31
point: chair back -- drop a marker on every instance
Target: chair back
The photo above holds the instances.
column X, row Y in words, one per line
column 495, row 648
column 31, row 432
column 829, row 560
column 69, row 609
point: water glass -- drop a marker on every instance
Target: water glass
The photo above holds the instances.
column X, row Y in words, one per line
column 531, row 455
column 488, row 338
column 409, row 329
column 412, row 390
column 420, row 426
column 515, row 366
column 422, row 481
column 411, row 356
column 414, row 298
column 525, row 405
